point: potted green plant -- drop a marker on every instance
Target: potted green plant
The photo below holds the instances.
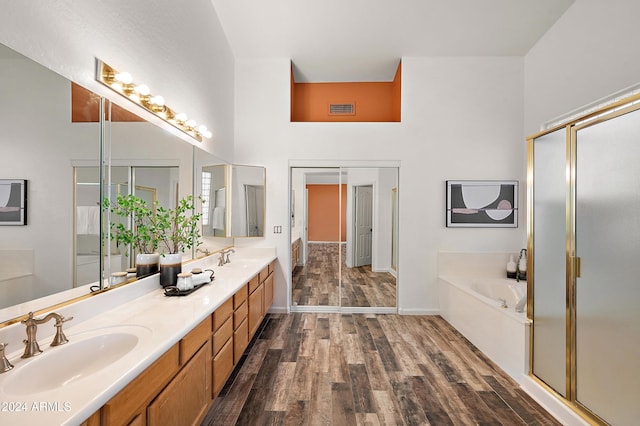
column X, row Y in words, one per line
column 177, row 230
column 141, row 235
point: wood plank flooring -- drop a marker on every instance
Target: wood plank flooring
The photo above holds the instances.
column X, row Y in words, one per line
column 317, row 284
column 365, row 369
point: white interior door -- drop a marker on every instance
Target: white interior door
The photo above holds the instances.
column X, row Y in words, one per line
column 363, row 225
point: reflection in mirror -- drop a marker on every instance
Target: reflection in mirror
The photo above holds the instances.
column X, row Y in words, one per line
column 367, row 277
column 151, row 164
column 42, row 144
column 211, row 183
column 247, row 201
column 343, row 224
column 214, row 194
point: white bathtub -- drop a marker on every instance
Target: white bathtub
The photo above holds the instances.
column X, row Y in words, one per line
column 473, row 307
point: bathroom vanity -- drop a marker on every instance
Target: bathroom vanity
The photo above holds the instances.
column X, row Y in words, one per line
column 136, row 356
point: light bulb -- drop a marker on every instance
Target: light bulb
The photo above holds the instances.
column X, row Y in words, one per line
column 181, row 116
column 124, row 77
column 207, row 134
column 191, row 123
column 142, row 89
column 157, row 100
column 202, row 129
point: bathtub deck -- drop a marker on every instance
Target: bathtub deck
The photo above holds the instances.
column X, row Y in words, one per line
column 333, row 369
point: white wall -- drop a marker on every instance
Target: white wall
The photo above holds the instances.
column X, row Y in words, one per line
column 591, row 52
column 177, row 48
column 462, row 118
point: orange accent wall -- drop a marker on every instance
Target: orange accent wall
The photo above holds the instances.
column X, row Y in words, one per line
column 85, row 107
column 374, row 101
column 327, row 219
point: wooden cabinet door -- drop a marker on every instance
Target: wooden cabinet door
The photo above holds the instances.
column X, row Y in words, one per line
column 186, row 399
column 268, row 294
column 132, row 400
column 240, row 340
column 222, row 366
column 256, row 309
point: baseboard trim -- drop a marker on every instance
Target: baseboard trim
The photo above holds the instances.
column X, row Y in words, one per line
column 403, row 311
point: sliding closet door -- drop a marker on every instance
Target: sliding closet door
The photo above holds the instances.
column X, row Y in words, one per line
column 549, row 260
column 607, row 316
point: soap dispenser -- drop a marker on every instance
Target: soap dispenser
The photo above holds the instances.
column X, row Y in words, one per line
column 511, row 268
column 522, row 266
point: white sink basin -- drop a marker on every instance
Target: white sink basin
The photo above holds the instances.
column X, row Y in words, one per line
column 84, row 355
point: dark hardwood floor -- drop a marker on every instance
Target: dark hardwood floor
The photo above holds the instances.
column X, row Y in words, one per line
column 365, row 369
column 317, row 284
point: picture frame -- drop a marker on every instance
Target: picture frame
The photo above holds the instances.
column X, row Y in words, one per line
column 13, row 202
column 482, row 204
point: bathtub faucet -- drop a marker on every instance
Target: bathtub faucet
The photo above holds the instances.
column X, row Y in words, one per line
column 521, row 266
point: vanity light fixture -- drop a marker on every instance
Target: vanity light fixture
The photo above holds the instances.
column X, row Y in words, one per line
column 140, row 94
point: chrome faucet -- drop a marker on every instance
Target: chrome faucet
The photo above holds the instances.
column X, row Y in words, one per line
column 222, row 260
column 31, row 344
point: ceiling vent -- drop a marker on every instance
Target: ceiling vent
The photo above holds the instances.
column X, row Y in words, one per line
column 342, row 109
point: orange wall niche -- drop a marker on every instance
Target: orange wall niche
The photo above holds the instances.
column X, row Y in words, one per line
column 373, row 101
column 326, row 217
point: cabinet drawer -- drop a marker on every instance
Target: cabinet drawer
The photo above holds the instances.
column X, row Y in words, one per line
column 264, row 274
column 240, row 340
column 221, row 336
column 272, row 266
column 254, row 283
column 222, row 366
column 240, row 315
column 222, row 313
column 123, row 407
column 240, row 296
column 190, row 343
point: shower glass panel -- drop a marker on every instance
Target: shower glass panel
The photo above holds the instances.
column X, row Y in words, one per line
column 607, row 293
column 549, row 260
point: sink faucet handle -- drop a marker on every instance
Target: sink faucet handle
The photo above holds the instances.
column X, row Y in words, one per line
column 60, row 338
column 5, row 365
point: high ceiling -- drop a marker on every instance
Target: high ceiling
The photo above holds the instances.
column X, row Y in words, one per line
column 363, row 40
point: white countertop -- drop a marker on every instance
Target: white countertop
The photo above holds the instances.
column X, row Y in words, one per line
column 141, row 306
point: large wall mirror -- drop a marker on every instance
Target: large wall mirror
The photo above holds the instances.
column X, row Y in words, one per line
column 58, row 158
column 344, row 238
column 58, row 255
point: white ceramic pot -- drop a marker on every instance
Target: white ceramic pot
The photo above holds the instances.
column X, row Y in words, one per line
column 170, row 267
column 147, row 264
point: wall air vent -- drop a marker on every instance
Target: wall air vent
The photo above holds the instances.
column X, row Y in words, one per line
column 342, row 109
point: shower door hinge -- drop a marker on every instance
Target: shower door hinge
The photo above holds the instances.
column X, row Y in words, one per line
column 575, row 262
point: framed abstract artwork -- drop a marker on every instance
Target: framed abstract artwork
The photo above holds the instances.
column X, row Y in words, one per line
column 13, row 202
column 482, row 203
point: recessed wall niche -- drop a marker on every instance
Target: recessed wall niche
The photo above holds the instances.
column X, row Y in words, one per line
column 348, row 101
